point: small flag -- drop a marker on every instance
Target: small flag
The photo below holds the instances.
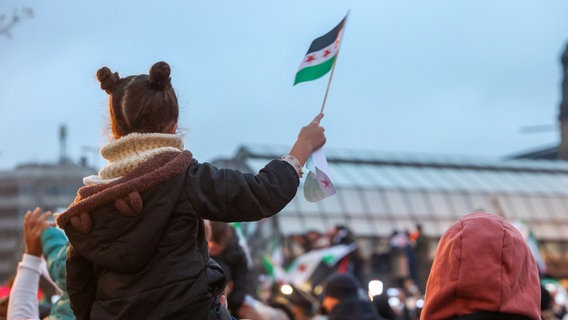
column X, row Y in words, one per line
column 318, row 184
column 529, row 237
column 321, row 55
column 304, row 266
column 242, row 242
column 273, row 266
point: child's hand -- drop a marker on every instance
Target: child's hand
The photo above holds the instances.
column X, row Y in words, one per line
column 35, row 222
column 312, row 134
column 310, row 138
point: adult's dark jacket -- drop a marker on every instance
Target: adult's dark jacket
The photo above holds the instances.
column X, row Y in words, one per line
column 234, row 258
column 147, row 259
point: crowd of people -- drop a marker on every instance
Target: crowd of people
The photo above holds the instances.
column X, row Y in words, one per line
column 148, row 237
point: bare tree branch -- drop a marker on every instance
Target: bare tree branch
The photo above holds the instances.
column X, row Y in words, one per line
column 8, row 23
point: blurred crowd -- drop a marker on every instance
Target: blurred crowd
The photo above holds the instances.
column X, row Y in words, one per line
column 37, row 290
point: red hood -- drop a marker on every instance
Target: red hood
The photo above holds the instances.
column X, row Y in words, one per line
column 482, row 264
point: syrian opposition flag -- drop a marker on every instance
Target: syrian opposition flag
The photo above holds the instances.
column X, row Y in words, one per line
column 273, row 262
column 529, row 237
column 318, row 184
column 321, row 55
column 303, row 267
column 242, row 241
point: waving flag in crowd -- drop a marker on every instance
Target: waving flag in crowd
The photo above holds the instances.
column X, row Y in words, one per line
column 242, row 241
column 302, row 268
column 274, row 261
column 529, row 237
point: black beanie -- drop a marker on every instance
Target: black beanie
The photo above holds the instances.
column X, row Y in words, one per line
column 341, row 286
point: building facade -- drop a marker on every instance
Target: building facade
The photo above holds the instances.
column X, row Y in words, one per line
column 379, row 193
column 49, row 186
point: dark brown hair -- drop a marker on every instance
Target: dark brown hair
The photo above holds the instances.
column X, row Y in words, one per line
column 221, row 233
column 145, row 103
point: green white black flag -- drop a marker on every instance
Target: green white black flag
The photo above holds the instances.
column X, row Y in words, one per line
column 321, row 55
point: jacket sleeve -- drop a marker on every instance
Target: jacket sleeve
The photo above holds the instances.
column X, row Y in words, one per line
column 81, row 284
column 23, row 302
column 230, row 195
column 55, row 244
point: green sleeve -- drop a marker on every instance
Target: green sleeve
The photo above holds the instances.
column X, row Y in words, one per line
column 55, row 244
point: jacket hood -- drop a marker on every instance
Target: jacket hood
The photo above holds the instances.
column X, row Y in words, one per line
column 482, row 264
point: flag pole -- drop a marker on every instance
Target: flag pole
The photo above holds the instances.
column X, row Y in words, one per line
column 329, row 82
column 333, row 65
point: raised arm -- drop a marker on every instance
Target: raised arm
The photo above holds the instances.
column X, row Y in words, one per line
column 55, row 244
column 230, row 195
column 23, row 298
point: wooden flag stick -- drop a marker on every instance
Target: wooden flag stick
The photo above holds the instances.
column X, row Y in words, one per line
column 334, row 61
column 329, row 82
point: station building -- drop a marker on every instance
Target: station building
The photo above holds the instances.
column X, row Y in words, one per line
column 48, row 186
column 378, row 193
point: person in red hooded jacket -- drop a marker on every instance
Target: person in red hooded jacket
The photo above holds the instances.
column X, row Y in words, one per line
column 483, row 269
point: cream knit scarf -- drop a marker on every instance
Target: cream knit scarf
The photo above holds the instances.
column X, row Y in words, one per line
column 129, row 151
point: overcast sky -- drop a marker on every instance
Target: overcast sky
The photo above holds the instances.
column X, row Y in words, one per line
column 442, row 77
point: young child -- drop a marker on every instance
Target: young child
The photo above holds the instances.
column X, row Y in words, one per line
column 138, row 247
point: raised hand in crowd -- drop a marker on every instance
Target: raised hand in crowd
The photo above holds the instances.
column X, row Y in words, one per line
column 35, row 222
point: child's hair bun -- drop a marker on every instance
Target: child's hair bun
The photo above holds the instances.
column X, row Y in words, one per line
column 108, row 79
column 160, row 75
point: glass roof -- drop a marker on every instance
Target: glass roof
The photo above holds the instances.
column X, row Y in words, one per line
column 378, row 192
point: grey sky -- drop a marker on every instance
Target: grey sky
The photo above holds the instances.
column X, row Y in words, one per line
column 445, row 77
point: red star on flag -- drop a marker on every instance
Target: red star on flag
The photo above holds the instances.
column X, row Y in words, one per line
column 326, row 53
column 302, row 267
column 310, row 58
column 325, row 183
